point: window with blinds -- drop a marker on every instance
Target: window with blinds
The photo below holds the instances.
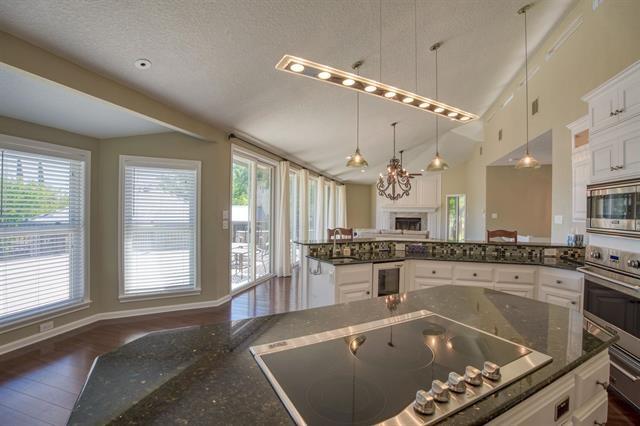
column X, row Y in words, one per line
column 43, row 233
column 160, row 226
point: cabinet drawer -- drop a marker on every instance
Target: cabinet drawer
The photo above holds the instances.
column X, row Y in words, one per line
column 439, row 270
column 522, row 290
column 565, row 280
column 353, row 292
column 593, row 413
column 422, row 283
column 516, row 275
column 473, row 273
column 556, row 296
column 593, row 372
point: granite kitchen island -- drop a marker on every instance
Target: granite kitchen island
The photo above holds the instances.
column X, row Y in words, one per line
column 207, row 374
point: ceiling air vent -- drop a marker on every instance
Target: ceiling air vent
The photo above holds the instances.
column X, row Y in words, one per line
column 534, row 107
column 500, row 134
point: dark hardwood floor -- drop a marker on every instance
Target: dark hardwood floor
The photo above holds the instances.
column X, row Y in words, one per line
column 39, row 384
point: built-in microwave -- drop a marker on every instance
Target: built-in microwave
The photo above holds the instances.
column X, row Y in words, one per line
column 614, row 208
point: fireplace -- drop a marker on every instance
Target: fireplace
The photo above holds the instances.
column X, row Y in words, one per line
column 409, row 223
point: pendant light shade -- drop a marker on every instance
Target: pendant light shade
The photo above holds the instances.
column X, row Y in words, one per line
column 437, row 164
column 357, row 160
column 527, row 161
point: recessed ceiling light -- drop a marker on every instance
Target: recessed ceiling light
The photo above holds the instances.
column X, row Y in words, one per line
column 424, row 105
column 324, row 75
column 362, row 170
column 142, row 64
column 297, row 67
column 348, row 82
column 465, row 118
column 452, row 114
column 407, row 100
column 439, row 109
column 389, row 94
column 370, row 89
column 422, row 170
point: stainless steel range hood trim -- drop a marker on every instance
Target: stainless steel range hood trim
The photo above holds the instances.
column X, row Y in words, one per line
column 511, row 372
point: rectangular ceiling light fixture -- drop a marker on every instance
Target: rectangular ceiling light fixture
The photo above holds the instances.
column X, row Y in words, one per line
column 299, row 66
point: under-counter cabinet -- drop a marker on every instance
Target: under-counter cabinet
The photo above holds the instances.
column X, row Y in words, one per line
column 516, row 280
column 560, row 287
column 328, row 284
column 423, row 274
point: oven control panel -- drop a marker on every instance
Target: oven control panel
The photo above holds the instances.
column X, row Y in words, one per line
column 614, row 259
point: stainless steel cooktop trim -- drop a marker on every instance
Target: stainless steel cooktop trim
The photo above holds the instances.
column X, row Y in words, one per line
column 510, row 372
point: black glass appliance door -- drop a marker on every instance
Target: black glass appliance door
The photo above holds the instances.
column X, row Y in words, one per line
column 615, row 307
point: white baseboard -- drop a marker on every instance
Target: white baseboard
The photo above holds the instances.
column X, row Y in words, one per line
column 35, row 338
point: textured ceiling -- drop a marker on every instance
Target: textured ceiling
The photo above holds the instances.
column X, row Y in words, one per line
column 30, row 98
column 215, row 60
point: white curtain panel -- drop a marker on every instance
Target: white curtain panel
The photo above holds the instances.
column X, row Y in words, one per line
column 303, row 219
column 321, row 232
column 331, row 220
column 341, row 219
column 282, row 255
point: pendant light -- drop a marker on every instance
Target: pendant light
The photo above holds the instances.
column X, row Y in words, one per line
column 397, row 183
column 357, row 160
column 437, row 164
column 528, row 161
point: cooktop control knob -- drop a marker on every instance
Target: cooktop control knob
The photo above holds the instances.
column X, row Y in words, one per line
column 595, row 254
column 439, row 391
column 491, row 371
column 424, row 403
column 472, row 375
column 456, row 383
column 634, row 263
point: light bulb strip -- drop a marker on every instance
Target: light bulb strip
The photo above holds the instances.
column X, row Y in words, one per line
column 313, row 69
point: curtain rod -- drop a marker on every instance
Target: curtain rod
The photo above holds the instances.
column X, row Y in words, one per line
column 281, row 157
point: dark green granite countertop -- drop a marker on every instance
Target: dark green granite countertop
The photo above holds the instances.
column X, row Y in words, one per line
column 207, row 375
column 381, row 257
column 403, row 239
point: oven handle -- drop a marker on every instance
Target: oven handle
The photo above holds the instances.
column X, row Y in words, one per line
column 586, row 271
column 625, row 372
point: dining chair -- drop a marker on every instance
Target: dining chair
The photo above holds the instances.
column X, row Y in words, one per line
column 502, row 233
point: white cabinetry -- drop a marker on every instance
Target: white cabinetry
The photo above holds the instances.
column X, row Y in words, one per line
column 581, row 169
column 353, row 282
column 425, row 274
column 615, row 101
column 562, row 288
column 516, row 280
column 546, row 407
column 614, row 127
column 473, row 274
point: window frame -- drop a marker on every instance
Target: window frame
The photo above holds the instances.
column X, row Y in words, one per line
column 169, row 163
column 70, row 153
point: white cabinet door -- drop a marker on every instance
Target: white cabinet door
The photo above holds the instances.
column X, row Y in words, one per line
column 581, row 176
column 629, row 97
column 629, row 152
column 604, row 158
column 428, row 190
column 602, row 111
column 559, row 297
column 354, row 292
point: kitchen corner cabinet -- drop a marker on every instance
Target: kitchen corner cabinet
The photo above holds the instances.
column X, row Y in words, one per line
column 328, row 284
column 615, row 101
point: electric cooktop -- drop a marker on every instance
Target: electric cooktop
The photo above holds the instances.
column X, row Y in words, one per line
column 413, row 368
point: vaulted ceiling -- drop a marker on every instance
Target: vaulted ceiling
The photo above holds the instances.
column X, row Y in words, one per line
column 215, row 60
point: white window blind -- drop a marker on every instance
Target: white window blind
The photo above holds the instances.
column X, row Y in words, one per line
column 160, row 225
column 42, row 233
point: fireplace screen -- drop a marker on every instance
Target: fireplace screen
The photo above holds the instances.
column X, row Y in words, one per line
column 409, row 223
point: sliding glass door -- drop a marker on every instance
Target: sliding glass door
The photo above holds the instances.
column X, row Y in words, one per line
column 251, row 220
column 294, row 217
column 456, row 213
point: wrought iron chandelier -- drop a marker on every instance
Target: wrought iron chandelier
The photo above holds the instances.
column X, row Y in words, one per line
column 397, row 183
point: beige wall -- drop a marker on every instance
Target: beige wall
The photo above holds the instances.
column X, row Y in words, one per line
column 358, row 206
column 605, row 44
column 521, row 199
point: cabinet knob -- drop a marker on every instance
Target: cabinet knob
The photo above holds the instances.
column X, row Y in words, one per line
column 516, row 277
column 573, row 302
column 475, row 275
column 433, row 272
column 558, row 281
column 368, row 292
column 611, row 114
